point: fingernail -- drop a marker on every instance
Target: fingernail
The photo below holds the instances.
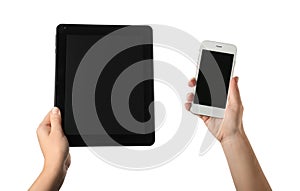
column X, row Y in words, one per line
column 237, row 79
column 55, row 110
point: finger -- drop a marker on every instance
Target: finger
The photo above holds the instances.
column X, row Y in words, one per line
column 234, row 94
column 192, row 82
column 189, row 97
column 188, row 106
column 55, row 119
column 44, row 127
column 204, row 117
column 68, row 161
column 46, row 120
column 42, row 131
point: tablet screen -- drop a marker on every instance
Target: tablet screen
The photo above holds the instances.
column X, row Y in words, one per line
column 77, row 43
column 76, row 47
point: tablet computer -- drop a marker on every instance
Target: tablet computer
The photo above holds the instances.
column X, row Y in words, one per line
column 104, row 84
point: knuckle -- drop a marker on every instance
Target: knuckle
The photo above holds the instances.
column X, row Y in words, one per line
column 38, row 130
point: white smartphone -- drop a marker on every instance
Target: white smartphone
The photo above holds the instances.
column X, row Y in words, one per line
column 215, row 69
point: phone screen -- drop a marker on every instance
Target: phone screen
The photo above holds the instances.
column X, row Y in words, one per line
column 213, row 78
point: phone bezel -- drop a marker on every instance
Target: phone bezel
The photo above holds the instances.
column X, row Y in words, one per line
column 217, row 47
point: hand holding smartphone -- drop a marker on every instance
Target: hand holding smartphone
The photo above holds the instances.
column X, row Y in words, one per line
column 215, row 69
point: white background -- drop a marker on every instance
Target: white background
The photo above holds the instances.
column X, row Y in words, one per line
column 266, row 34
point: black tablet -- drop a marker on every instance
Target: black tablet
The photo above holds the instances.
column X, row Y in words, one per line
column 104, row 84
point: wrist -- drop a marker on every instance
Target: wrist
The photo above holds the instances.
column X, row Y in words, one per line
column 54, row 169
column 53, row 172
column 237, row 135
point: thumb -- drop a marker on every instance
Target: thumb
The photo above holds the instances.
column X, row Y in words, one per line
column 234, row 93
column 55, row 119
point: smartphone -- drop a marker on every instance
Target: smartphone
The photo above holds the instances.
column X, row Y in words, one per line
column 215, row 69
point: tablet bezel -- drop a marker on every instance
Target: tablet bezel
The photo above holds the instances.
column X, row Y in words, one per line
column 62, row 31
